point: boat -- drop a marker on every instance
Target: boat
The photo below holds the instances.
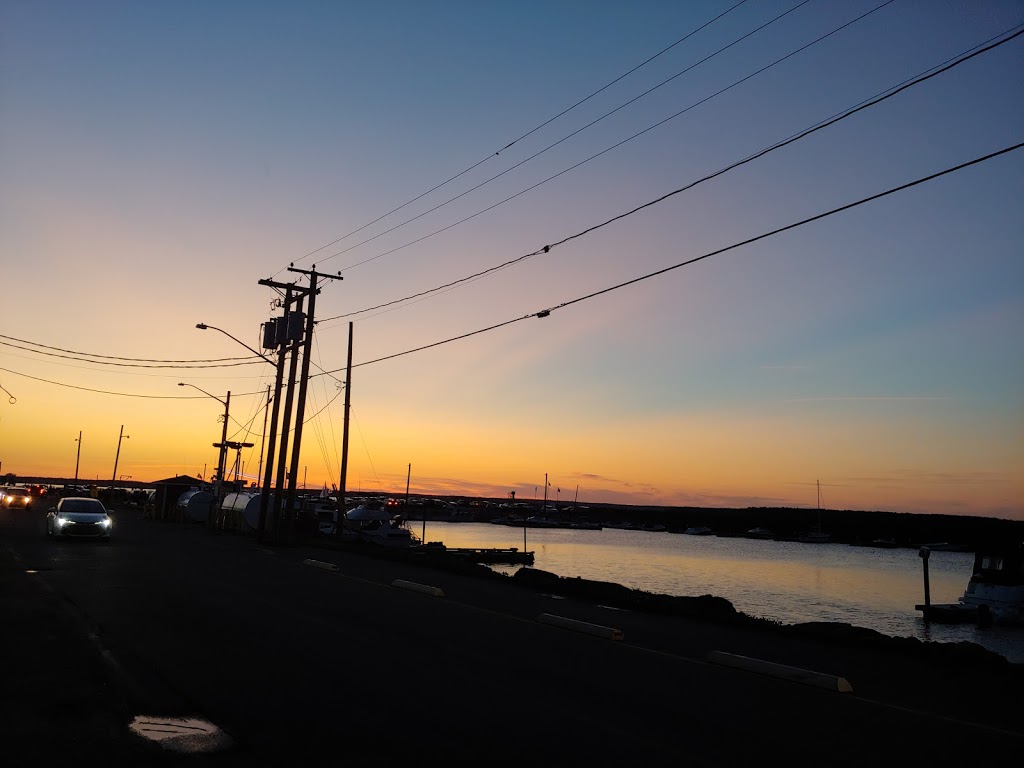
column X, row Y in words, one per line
column 945, row 546
column 654, row 527
column 884, row 543
column 996, row 585
column 623, row 525
column 759, row 533
column 371, row 522
column 699, row 530
column 817, row 536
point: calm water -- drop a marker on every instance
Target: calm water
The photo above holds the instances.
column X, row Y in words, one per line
column 786, row 581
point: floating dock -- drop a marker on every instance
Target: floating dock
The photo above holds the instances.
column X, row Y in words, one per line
column 489, row 556
column 955, row 613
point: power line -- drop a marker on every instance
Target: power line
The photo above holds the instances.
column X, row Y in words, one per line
column 786, row 228
column 578, row 131
column 884, row 95
column 546, row 312
column 520, row 138
column 831, row 121
column 119, row 394
column 130, row 372
column 112, row 357
column 129, row 365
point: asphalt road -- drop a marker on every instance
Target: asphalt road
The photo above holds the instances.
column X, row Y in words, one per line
column 300, row 654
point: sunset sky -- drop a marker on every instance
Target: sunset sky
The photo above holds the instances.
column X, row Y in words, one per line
column 159, row 159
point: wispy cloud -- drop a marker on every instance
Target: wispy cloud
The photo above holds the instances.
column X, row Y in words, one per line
column 951, row 478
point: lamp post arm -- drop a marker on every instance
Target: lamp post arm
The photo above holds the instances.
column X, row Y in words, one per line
column 204, row 326
column 185, row 384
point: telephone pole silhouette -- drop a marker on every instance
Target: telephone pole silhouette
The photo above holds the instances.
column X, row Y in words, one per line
column 291, row 335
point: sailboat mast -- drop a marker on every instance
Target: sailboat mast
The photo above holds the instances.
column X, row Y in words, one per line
column 819, row 504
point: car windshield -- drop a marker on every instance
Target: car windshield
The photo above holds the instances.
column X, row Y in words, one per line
column 17, row 492
column 81, row 505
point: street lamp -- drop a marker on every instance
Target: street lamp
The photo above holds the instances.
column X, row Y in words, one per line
column 79, row 454
column 279, row 365
column 223, row 436
column 204, row 326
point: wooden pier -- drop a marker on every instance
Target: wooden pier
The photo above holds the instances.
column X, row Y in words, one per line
column 491, row 556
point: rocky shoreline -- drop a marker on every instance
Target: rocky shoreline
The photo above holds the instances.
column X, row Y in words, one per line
column 705, row 608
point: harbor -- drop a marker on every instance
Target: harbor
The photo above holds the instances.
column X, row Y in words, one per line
column 791, row 582
column 295, row 627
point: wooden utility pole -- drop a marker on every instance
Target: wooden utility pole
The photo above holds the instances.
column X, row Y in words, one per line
column 267, row 519
column 263, row 445
column 307, row 352
column 289, row 340
column 344, row 437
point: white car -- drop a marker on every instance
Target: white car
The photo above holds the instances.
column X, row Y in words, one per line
column 15, row 497
column 79, row 516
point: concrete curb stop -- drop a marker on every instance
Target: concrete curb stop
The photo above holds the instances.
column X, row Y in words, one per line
column 581, row 626
column 796, row 674
column 320, row 564
column 413, row 586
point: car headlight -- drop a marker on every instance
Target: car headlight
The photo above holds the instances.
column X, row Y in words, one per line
column 106, row 522
column 62, row 521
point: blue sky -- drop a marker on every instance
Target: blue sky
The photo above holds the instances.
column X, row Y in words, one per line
column 158, row 159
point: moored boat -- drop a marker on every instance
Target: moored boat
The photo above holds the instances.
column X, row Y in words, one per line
column 816, row 536
column 997, row 585
column 372, row 523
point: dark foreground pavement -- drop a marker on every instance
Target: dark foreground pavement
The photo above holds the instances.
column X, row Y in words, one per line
column 305, row 654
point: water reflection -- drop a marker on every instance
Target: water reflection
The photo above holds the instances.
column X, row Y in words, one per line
column 786, row 581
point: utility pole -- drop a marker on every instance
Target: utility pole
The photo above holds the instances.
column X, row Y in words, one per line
column 344, row 437
column 266, row 409
column 279, row 330
column 117, row 456
column 282, row 512
column 79, row 456
column 221, row 460
column 290, row 340
column 312, row 291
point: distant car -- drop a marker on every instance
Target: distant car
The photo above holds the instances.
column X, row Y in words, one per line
column 79, row 516
column 16, row 497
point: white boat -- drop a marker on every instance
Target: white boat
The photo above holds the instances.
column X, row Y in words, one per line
column 373, row 523
column 699, row 530
column 996, row 585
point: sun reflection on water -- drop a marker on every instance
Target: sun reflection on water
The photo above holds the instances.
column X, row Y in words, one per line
column 790, row 582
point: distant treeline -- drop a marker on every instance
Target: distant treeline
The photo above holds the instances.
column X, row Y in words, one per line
column 845, row 526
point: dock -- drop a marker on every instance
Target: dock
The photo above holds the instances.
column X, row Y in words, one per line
column 490, row 555
column 955, row 613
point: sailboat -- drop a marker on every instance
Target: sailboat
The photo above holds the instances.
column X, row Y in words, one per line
column 817, row 536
